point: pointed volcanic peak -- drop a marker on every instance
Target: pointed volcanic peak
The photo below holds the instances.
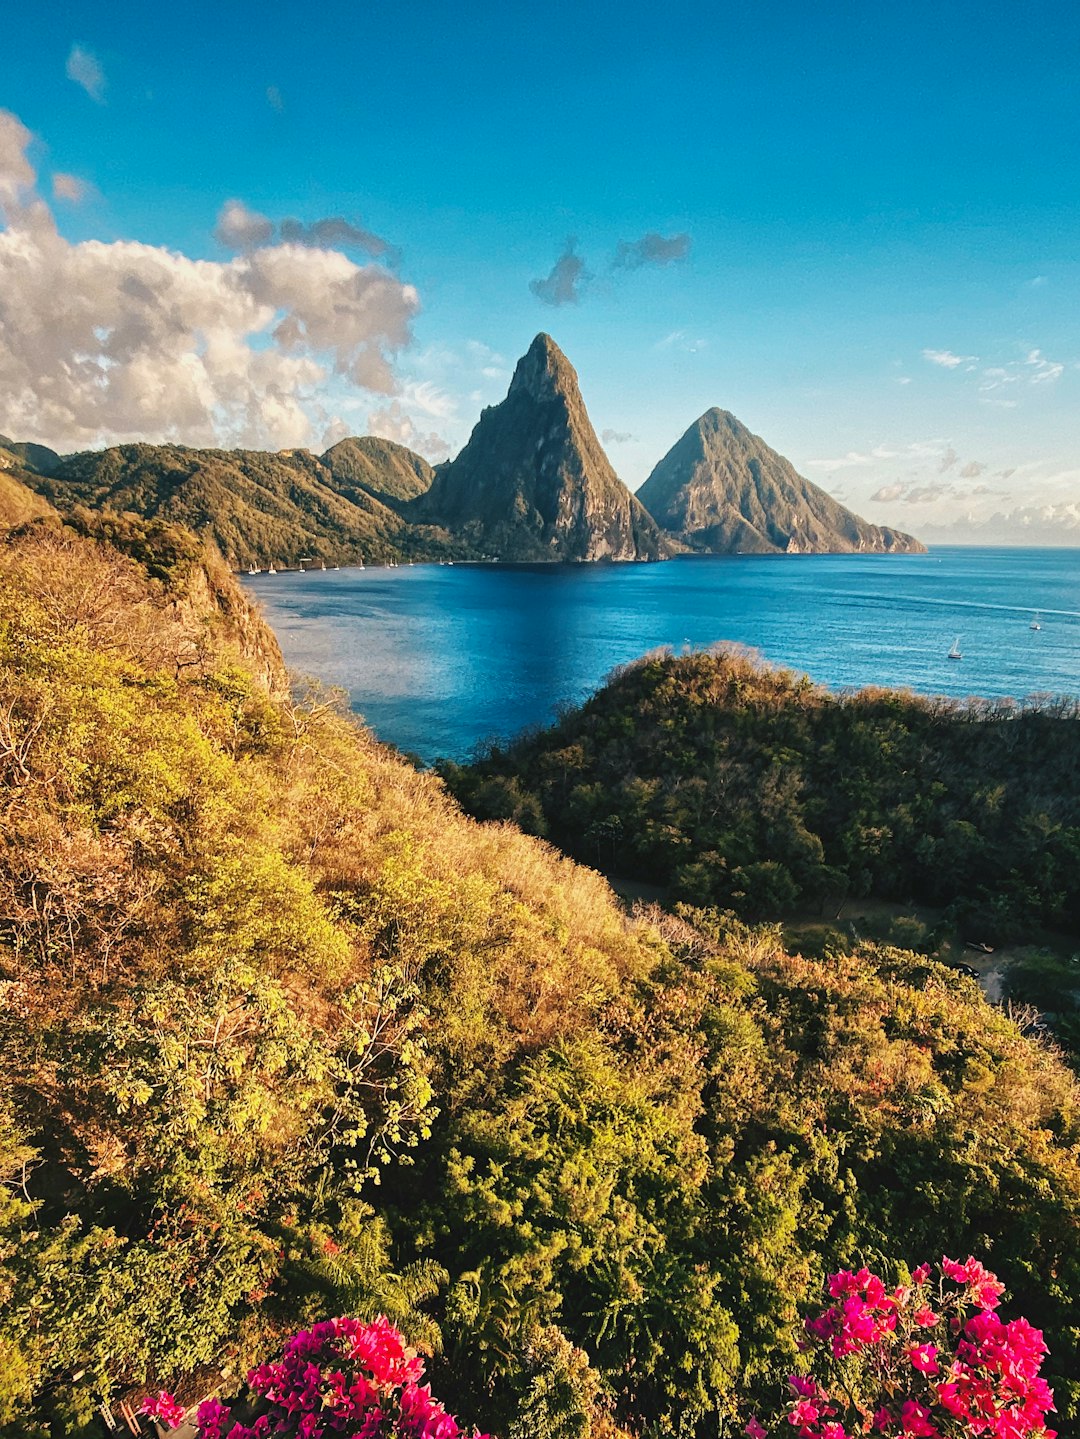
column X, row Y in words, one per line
column 722, row 490
column 533, row 483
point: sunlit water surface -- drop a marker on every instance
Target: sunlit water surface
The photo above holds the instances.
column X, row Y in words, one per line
column 439, row 657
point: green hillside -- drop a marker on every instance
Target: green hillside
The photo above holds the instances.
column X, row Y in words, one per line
column 737, row 784
column 285, row 1034
column 256, row 506
column 382, row 469
column 18, row 502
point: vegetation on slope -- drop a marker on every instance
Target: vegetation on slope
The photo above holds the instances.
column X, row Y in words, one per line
column 255, row 507
column 18, row 502
column 748, row 787
column 387, row 471
column 284, row 1034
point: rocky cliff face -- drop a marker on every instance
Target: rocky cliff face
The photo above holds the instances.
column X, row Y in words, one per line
column 533, row 482
column 722, row 490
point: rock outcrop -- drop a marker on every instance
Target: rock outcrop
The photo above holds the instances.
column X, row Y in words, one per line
column 533, row 482
column 722, row 490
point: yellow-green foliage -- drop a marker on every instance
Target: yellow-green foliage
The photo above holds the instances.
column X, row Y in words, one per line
column 283, row 1033
column 216, row 911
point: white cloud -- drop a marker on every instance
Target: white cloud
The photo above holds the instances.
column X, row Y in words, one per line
column 16, row 173
column 681, row 340
column 429, row 399
column 103, row 342
column 239, row 228
column 85, row 69
column 393, row 422
column 946, row 359
column 69, row 187
column 886, row 493
column 1044, row 371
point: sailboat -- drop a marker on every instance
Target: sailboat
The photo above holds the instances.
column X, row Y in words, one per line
column 322, row 564
column 954, row 653
column 254, row 570
column 270, row 568
column 360, row 565
column 1036, row 623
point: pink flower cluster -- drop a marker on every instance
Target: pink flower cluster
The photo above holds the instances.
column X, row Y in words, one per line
column 165, row 1408
column 339, row 1377
column 912, row 1361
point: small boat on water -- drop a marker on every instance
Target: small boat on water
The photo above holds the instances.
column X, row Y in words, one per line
column 270, row 568
column 1036, row 623
column 254, row 570
column 954, row 653
column 322, row 564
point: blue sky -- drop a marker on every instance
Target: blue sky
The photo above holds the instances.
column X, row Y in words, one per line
column 864, row 221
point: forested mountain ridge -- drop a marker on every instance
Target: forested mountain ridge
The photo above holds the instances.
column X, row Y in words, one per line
column 722, row 490
column 381, row 468
column 533, row 482
column 738, row 784
column 259, row 507
column 250, row 959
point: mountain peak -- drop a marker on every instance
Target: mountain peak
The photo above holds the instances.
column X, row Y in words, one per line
column 544, row 371
column 533, row 482
column 721, row 488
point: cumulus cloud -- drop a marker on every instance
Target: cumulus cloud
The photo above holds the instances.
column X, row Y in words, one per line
column 17, row 175
column 886, row 493
column 948, row 460
column 101, row 342
column 332, row 233
column 924, row 494
column 947, row 360
column 651, row 249
column 239, row 228
column 562, row 285
column 617, row 437
column 393, row 422
column 972, row 470
column 85, row 69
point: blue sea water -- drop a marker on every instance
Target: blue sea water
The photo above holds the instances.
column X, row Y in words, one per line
column 437, row 658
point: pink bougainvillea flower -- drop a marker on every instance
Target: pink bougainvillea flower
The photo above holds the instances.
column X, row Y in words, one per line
column 921, row 1274
column 915, row 1420
column 924, row 1358
column 165, row 1408
column 755, row 1430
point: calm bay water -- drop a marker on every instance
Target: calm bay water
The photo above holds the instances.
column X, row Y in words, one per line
column 437, row 658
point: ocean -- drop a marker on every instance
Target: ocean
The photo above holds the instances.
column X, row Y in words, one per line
column 440, row 658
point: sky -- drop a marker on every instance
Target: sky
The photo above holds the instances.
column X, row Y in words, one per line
column 857, row 226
